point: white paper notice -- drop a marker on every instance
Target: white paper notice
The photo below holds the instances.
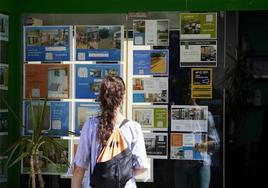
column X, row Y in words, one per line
column 154, row 85
column 151, row 32
column 190, row 53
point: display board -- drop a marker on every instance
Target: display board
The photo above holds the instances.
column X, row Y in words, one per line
column 47, row 43
column 144, row 63
column 99, row 43
column 70, row 87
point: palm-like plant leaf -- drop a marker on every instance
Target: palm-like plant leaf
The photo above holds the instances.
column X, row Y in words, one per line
column 33, row 114
column 13, row 113
column 22, row 156
column 50, row 161
column 43, row 115
column 13, row 149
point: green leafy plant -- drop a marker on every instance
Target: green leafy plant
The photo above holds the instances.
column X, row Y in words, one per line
column 35, row 148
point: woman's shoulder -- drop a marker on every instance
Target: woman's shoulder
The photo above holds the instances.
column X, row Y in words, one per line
column 132, row 123
column 91, row 123
column 133, row 126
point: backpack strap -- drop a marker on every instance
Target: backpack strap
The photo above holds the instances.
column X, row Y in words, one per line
column 123, row 123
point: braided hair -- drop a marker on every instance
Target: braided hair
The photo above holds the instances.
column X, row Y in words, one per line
column 112, row 91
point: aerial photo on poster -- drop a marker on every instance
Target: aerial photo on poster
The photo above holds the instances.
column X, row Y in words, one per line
column 150, row 62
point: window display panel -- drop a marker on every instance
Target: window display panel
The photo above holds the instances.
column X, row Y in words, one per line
column 195, row 142
column 155, row 81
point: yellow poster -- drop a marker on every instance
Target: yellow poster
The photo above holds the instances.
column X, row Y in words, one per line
column 201, row 83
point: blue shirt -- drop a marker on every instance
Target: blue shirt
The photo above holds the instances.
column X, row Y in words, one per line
column 89, row 146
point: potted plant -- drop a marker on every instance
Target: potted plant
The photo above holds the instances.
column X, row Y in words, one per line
column 35, row 148
column 238, row 81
